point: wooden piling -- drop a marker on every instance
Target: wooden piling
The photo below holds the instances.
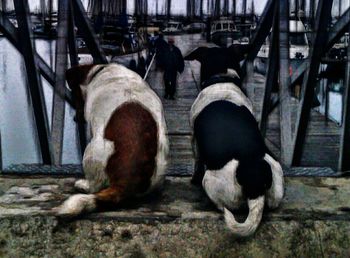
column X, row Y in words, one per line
column 58, row 107
column 284, row 82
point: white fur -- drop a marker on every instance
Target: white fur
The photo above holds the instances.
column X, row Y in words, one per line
column 223, row 189
column 77, row 204
column 109, row 89
column 221, row 185
column 82, row 185
column 219, row 91
column 248, row 227
column 275, row 194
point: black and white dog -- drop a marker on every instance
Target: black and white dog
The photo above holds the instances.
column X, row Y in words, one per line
column 232, row 161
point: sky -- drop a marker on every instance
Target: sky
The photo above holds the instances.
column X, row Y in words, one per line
column 179, row 6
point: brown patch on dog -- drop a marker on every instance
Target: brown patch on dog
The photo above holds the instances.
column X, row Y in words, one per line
column 75, row 77
column 134, row 133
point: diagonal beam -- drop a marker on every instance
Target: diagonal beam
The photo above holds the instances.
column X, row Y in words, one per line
column 333, row 36
column 335, row 33
column 88, row 34
column 323, row 16
column 339, row 28
column 34, row 81
column 262, row 30
column 11, row 33
column 73, row 55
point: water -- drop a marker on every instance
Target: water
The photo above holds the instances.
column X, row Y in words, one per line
column 17, row 126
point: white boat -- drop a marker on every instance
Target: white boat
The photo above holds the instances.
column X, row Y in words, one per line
column 195, row 27
column 224, row 32
column 173, row 28
column 298, row 47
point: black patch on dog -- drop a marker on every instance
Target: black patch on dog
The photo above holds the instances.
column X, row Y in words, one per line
column 255, row 177
column 217, row 60
column 225, row 131
column 214, row 61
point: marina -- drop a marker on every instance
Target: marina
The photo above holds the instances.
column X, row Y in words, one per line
column 294, row 68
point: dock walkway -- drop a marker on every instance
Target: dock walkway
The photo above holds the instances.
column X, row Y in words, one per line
column 322, row 140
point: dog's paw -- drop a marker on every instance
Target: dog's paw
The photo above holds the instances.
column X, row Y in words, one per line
column 76, row 205
column 82, row 185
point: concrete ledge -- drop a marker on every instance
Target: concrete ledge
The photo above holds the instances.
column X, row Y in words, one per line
column 313, row 221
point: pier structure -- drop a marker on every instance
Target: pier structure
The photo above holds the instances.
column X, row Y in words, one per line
column 314, row 153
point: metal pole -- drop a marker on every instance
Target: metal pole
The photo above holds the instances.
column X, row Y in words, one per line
column 87, row 31
column 344, row 152
column 319, row 45
column 34, row 81
column 73, row 55
column 263, row 29
column 11, row 33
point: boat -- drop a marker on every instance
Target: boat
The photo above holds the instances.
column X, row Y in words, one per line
column 195, row 27
column 224, row 32
column 173, row 28
column 46, row 30
column 298, row 47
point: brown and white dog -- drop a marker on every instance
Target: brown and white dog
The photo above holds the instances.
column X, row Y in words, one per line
column 232, row 162
column 126, row 156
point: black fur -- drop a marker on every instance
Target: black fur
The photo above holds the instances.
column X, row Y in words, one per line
column 217, row 60
column 225, row 131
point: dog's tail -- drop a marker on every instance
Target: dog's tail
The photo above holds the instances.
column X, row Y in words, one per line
column 85, row 203
column 248, row 227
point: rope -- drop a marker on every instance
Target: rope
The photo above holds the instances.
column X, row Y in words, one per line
column 149, row 67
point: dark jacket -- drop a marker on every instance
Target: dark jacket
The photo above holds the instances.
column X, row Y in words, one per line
column 172, row 62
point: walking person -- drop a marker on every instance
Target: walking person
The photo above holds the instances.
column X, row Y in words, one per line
column 173, row 63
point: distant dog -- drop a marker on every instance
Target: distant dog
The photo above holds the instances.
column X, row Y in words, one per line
column 126, row 156
column 232, row 161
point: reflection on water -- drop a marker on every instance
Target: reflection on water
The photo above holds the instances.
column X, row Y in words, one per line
column 17, row 126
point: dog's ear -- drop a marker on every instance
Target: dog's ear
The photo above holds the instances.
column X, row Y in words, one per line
column 198, row 54
column 77, row 75
column 238, row 51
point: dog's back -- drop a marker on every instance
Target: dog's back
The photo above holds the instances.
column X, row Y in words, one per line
column 126, row 156
column 133, row 131
column 225, row 131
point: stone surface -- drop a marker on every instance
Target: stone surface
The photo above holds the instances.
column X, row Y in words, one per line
column 180, row 221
